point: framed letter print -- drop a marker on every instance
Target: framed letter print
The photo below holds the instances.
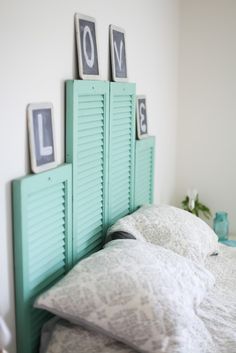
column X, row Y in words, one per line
column 41, row 137
column 87, row 47
column 118, row 54
column 141, row 114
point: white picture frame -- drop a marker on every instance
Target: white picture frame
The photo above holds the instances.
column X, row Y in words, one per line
column 141, row 117
column 118, row 54
column 87, row 47
column 41, row 137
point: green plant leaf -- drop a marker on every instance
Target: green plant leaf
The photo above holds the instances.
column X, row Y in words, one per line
column 199, row 208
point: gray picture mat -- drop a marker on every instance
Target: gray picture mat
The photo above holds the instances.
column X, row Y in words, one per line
column 142, row 116
column 119, row 54
column 90, row 42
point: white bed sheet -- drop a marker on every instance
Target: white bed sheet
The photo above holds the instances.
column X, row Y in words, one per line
column 218, row 312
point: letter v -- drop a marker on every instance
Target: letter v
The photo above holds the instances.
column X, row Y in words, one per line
column 119, row 57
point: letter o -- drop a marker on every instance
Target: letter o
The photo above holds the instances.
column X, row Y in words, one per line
column 89, row 61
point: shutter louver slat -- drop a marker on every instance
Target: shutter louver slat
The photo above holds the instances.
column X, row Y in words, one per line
column 84, row 235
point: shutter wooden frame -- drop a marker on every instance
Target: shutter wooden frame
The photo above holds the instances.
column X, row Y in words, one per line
column 87, row 116
column 41, row 218
column 121, row 150
column 144, row 171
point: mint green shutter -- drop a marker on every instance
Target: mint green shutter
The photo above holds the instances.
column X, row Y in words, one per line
column 42, row 245
column 121, row 150
column 144, row 171
column 86, row 140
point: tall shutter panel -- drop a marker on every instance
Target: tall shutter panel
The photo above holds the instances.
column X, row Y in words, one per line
column 42, row 245
column 87, row 110
column 121, row 150
column 144, row 171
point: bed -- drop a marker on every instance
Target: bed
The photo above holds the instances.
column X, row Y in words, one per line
column 62, row 216
column 217, row 312
column 213, row 323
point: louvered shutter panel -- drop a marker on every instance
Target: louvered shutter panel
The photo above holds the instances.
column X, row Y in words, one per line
column 144, row 171
column 42, row 245
column 87, row 114
column 121, row 150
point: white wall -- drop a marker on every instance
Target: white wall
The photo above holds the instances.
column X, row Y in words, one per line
column 207, row 116
column 38, row 55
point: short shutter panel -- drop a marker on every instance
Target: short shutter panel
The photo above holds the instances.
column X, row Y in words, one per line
column 86, row 135
column 144, row 171
column 42, row 245
column 121, row 150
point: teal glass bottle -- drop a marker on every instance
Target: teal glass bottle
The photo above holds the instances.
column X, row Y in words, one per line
column 221, row 225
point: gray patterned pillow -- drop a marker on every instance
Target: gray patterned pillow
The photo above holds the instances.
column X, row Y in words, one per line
column 172, row 228
column 137, row 293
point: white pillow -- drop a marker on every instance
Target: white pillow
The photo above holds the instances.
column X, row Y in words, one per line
column 137, row 293
column 172, row 228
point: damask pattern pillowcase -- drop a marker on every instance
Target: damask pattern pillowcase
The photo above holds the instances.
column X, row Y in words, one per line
column 172, row 228
column 140, row 294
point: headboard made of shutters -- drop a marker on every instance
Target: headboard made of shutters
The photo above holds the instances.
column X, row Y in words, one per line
column 61, row 216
